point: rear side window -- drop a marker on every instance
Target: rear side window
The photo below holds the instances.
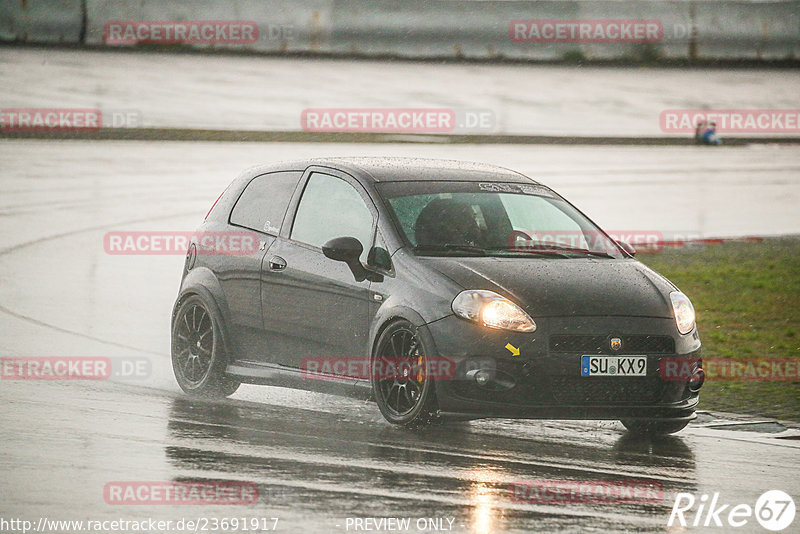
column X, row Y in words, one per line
column 263, row 202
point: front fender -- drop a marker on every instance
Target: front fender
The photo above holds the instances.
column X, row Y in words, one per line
column 388, row 314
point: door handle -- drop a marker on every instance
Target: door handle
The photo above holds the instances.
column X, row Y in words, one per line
column 276, row 263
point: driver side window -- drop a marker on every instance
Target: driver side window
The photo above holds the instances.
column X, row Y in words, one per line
column 330, row 207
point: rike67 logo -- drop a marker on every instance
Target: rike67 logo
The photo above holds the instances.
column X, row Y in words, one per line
column 774, row 510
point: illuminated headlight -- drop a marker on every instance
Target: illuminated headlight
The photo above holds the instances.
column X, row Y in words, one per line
column 683, row 310
column 492, row 310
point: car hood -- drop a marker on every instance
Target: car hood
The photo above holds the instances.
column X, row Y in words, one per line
column 565, row 287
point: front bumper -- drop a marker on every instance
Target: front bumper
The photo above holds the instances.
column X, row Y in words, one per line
column 544, row 380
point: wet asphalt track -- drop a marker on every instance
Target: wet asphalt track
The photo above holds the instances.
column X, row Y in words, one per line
column 318, row 460
column 270, row 93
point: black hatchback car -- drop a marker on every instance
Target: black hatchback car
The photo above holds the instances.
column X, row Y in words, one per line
column 441, row 289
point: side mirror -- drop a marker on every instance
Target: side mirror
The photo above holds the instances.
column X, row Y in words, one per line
column 347, row 250
column 627, row 247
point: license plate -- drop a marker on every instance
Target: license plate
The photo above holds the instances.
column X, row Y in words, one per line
column 613, row 365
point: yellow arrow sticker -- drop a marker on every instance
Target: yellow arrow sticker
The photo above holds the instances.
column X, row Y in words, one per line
column 512, row 349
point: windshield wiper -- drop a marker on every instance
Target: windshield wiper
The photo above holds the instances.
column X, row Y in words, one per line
column 480, row 251
column 539, row 251
column 451, row 246
column 572, row 249
column 486, row 251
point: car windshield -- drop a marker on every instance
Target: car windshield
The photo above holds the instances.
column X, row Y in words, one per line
column 440, row 218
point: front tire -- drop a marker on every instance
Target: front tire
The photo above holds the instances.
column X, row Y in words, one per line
column 198, row 359
column 404, row 393
column 658, row 428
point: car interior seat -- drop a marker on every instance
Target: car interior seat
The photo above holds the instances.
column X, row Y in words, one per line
column 447, row 221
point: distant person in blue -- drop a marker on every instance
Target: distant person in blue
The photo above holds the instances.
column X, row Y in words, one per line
column 706, row 133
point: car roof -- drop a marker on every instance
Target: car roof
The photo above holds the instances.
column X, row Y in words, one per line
column 394, row 169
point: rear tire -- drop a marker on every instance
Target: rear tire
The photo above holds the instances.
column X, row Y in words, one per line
column 658, row 428
column 407, row 397
column 198, row 359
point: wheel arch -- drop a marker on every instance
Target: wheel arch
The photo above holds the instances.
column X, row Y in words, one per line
column 387, row 317
column 202, row 282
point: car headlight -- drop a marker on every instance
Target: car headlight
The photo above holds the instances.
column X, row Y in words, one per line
column 492, row 310
column 683, row 310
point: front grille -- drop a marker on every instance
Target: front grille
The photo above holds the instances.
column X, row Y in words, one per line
column 599, row 344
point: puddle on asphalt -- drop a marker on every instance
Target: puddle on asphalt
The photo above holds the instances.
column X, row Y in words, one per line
column 764, row 427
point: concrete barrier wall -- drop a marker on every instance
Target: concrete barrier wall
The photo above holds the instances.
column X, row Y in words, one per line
column 41, row 21
column 743, row 29
column 293, row 26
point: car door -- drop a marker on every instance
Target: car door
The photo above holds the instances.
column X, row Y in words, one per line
column 312, row 305
column 260, row 208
